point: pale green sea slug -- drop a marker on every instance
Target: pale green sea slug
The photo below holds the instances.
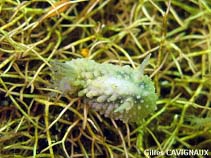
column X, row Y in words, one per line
column 121, row 93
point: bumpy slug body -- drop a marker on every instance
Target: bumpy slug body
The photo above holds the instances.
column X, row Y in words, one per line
column 121, row 93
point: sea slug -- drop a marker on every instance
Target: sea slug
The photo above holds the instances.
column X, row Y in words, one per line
column 121, row 93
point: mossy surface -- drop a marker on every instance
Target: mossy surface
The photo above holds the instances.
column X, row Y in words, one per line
column 37, row 120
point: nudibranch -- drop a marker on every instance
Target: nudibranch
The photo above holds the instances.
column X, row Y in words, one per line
column 118, row 92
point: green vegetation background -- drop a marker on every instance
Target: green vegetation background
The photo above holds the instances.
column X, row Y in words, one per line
column 34, row 122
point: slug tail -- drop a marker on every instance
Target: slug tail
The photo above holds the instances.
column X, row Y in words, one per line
column 63, row 76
